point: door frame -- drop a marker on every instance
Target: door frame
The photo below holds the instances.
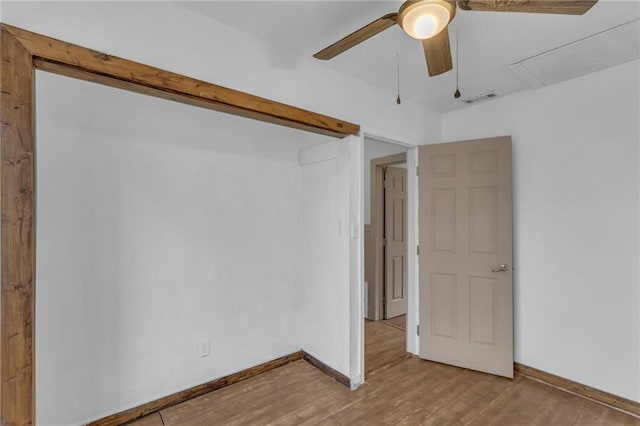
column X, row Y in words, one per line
column 378, row 166
column 413, row 340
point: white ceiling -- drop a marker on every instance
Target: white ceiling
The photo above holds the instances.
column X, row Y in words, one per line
column 489, row 42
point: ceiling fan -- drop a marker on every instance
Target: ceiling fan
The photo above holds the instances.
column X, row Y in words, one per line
column 427, row 20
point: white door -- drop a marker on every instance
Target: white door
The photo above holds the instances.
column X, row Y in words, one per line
column 395, row 241
column 466, row 279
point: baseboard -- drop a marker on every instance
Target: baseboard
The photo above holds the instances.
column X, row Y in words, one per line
column 335, row 374
column 605, row 398
column 178, row 397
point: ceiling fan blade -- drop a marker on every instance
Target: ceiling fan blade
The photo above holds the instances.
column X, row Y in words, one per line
column 438, row 53
column 560, row 7
column 358, row 36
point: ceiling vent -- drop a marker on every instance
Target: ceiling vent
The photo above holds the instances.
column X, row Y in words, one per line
column 596, row 52
column 478, row 99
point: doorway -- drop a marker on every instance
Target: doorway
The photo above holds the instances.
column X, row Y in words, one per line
column 483, row 186
column 385, row 239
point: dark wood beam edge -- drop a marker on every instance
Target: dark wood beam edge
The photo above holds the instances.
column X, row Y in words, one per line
column 194, row 392
column 335, row 374
column 96, row 66
column 105, row 80
column 17, row 233
column 593, row 394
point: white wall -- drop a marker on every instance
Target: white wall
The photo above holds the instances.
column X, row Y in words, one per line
column 332, row 256
column 576, row 221
column 375, row 149
column 326, row 258
column 159, row 225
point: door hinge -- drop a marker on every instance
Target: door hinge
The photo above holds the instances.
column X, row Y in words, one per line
column 384, row 241
column 417, row 170
column 418, row 329
column 418, row 250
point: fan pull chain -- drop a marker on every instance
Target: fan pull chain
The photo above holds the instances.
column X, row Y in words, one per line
column 398, row 101
column 457, row 93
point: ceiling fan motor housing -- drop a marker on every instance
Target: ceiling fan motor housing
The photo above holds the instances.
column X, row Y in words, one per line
column 412, row 10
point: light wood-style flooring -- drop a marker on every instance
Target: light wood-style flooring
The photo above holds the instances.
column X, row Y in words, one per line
column 384, row 345
column 398, row 322
column 399, row 390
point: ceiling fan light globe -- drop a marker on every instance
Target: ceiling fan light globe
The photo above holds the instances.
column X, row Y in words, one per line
column 425, row 26
column 425, row 19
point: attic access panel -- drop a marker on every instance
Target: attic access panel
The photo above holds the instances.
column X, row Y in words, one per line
column 596, row 52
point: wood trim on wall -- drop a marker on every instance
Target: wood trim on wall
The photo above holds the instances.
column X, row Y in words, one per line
column 22, row 53
column 605, row 398
column 369, row 248
column 377, row 228
column 86, row 64
column 17, row 105
column 335, row 374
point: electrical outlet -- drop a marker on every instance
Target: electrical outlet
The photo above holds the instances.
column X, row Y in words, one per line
column 205, row 348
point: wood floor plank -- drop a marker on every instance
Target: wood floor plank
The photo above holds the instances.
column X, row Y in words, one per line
column 397, row 322
column 150, row 420
column 559, row 408
column 389, row 398
column 481, row 392
column 400, row 391
column 418, row 417
column 514, row 406
column 594, row 414
column 384, row 345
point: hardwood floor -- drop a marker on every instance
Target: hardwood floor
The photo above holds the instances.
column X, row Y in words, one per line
column 403, row 391
column 151, row 420
column 383, row 346
column 398, row 322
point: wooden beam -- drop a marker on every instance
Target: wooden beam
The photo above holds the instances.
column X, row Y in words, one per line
column 17, row 246
column 185, row 99
column 90, row 65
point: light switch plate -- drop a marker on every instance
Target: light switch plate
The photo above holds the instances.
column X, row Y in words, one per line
column 205, row 348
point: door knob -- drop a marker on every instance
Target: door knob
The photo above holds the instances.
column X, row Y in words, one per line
column 501, row 268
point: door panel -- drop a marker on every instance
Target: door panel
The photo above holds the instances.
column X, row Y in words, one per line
column 443, row 219
column 443, row 300
column 465, row 210
column 395, row 212
column 483, row 302
column 483, row 213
